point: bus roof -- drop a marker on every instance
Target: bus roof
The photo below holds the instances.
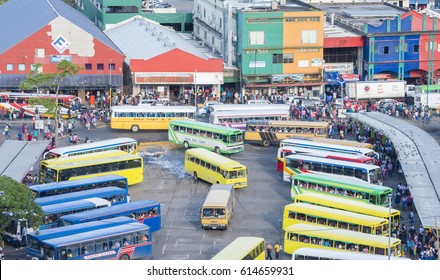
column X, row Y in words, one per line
column 340, row 182
column 79, row 182
column 238, row 248
column 246, row 107
column 333, row 162
column 341, row 142
column 218, row 195
column 206, row 126
column 76, row 228
column 342, row 235
column 216, row 159
column 342, row 202
column 340, row 215
column 92, row 145
column 91, row 160
column 323, row 153
column 154, row 109
column 77, row 204
column 289, row 123
column 311, row 144
column 96, row 234
column 340, row 255
column 103, row 154
column 112, row 210
column 245, row 113
column 101, row 192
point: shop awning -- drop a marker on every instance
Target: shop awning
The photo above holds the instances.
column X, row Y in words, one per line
column 333, row 78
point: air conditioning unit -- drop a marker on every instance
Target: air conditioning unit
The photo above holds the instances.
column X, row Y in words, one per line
column 201, row 44
column 234, row 38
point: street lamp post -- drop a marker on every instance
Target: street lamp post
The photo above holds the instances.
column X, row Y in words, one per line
column 255, row 68
column 390, row 227
column 110, row 91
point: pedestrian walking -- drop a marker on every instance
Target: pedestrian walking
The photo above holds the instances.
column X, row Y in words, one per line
column 269, row 250
column 277, row 248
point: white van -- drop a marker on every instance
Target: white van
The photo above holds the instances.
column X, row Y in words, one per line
column 259, row 102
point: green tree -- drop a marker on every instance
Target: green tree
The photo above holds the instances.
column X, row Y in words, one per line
column 17, row 201
column 36, row 79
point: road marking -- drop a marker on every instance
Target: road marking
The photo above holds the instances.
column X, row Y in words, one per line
column 163, row 249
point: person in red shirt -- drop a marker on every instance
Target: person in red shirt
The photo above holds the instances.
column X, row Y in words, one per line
column 29, row 137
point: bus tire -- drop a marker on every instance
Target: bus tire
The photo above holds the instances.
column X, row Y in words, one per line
column 217, row 182
column 196, row 178
column 217, row 150
column 265, row 143
column 185, row 144
column 124, row 257
column 134, row 128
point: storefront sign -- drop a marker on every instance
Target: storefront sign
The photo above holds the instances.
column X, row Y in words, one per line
column 60, row 44
column 341, row 68
column 303, row 63
column 59, row 58
column 316, row 62
column 287, row 78
column 350, row 77
column 257, row 64
column 382, row 76
column 141, row 78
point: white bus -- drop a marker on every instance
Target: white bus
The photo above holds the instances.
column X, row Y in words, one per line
column 247, row 107
column 124, row 144
column 295, row 164
column 238, row 119
column 324, row 254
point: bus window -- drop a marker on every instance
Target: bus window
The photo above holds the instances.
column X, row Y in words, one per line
column 241, row 174
column 349, row 172
column 311, row 219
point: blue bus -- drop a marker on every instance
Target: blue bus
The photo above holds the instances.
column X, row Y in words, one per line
column 54, row 211
column 113, row 194
column 121, row 242
column 56, row 188
column 145, row 211
column 34, row 239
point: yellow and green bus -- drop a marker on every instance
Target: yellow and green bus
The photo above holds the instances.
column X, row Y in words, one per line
column 88, row 166
column 214, row 168
column 219, row 139
column 339, row 186
column 346, row 204
column 243, row 248
column 266, row 132
column 297, row 213
column 321, row 237
column 140, row 117
column 218, row 207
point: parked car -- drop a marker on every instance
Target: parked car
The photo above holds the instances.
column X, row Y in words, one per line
column 258, row 102
column 204, row 110
column 149, row 102
column 162, row 5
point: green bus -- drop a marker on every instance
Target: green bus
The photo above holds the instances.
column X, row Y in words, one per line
column 339, row 186
column 212, row 137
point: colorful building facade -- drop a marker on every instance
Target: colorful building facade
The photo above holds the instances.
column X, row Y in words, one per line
column 405, row 48
column 281, row 50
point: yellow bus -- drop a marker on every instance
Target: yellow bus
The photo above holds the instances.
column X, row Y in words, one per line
column 315, row 236
column 137, row 118
column 297, row 213
column 333, row 141
column 218, row 207
column 348, row 204
column 326, row 255
column 214, row 168
column 92, row 165
column 243, row 248
column 267, row 132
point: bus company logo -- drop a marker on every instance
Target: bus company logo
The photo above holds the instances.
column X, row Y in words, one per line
column 367, row 88
column 60, row 44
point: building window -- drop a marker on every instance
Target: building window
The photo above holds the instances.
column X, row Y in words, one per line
column 9, row 67
column 204, row 13
column 277, row 58
column 288, row 58
column 416, row 49
column 290, row 19
column 256, row 38
column 39, row 52
column 386, row 50
column 100, row 66
column 309, row 36
column 21, row 67
column 88, row 66
column 34, row 67
column 205, row 35
column 111, row 66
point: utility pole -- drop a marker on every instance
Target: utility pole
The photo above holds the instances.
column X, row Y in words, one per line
column 389, row 225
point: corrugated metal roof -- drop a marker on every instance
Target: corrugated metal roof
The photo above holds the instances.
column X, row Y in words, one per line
column 140, row 38
column 26, row 17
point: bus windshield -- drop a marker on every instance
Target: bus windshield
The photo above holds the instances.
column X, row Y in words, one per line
column 375, row 176
column 236, row 138
column 213, row 212
column 235, row 174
